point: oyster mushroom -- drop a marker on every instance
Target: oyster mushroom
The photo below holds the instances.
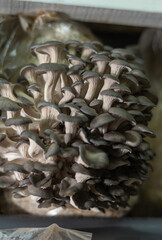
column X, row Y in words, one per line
column 51, row 73
column 28, row 72
column 94, row 81
column 101, row 62
column 36, row 146
column 119, row 66
column 18, row 124
column 49, row 114
column 69, row 94
column 73, row 134
column 73, row 73
column 93, row 157
column 72, row 46
column 69, row 187
column 7, row 90
column 102, row 122
column 109, row 97
column 109, row 80
column 87, row 50
column 34, row 89
column 122, row 116
column 9, row 106
column 48, row 52
column 124, row 52
column 141, row 78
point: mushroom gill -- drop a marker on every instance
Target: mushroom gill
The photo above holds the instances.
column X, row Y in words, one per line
column 81, row 142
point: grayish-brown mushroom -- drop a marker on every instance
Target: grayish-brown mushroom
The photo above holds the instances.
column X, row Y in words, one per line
column 28, row 72
column 109, row 97
column 93, row 157
column 118, row 66
column 121, row 115
column 94, row 83
column 51, row 73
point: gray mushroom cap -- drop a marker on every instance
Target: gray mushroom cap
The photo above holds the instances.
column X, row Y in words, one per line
column 143, row 129
column 99, row 57
column 8, row 105
column 6, row 181
column 117, row 56
column 74, row 60
column 75, row 69
column 48, row 104
column 101, row 120
column 120, row 88
column 52, row 67
column 124, row 52
column 141, row 77
column 88, row 45
column 29, row 67
column 18, row 121
column 76, row 119
column 93, row 157
column 69, row 186
column 114, row 136
column 34, row 137
column 52, row 150
column 25, row 101
column 145, row 102
column 122, row 113
column 40, row 192
column 77, row 83
column 68, row 89
column 115, row 79
column 33, row 87
column 2, row 137
column 39, row 46
column 118, row 66
column 89, row 74
column 98, row 44
column 112, row 93
column 72, row 43
column 45, row 167
column 68, row 152
column 95, row 102
column 88, row 110
column 133, row 138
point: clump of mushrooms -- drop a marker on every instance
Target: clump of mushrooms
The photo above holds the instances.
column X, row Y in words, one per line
column 73, row 134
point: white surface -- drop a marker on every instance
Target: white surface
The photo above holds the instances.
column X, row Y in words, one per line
column 135, row 5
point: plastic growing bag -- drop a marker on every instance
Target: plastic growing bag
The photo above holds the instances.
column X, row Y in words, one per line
column 52, row 232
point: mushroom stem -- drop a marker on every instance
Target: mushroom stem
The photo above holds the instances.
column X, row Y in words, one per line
column 118, row 66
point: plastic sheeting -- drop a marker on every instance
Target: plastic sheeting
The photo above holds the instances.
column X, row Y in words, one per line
column 53, row 232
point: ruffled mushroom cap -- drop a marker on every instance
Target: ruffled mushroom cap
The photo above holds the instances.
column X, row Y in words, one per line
column 74, row 133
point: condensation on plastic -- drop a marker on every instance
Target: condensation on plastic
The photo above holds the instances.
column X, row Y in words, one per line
column 19, row 32
column 53, row 232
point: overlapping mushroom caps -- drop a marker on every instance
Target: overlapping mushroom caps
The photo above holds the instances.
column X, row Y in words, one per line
column 73, row 131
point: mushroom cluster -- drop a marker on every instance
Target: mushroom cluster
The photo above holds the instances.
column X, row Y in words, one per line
column 73, row 128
